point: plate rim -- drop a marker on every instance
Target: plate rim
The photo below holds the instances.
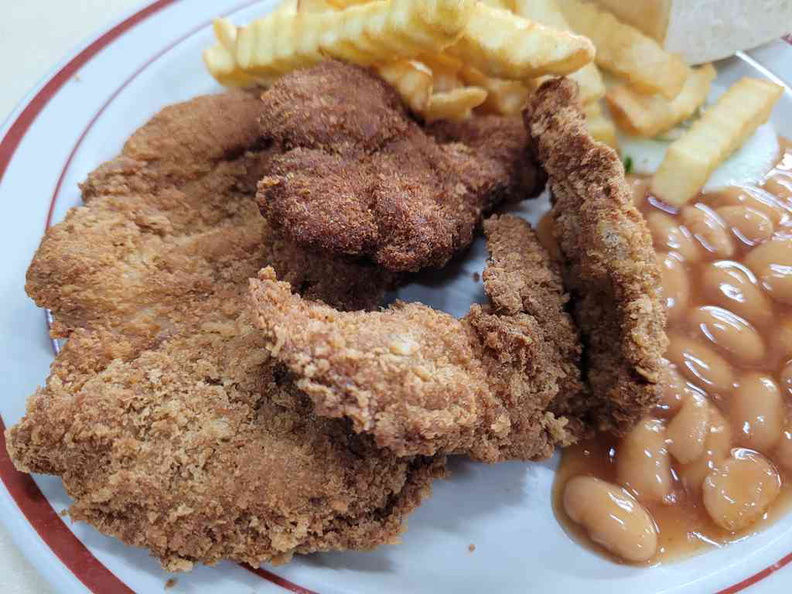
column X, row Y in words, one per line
column 44, row 529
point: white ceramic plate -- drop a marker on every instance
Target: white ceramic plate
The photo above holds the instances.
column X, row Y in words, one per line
column 80, row 117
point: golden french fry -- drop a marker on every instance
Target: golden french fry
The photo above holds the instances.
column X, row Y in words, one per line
column 547, row 12
column 315, row 5
column 346, row 3
column 505, row 97
column 287, row 6
column 413, row 81
column 649, row 115
column 378, row 31
column 625, row 51
column 691, row 159
column 221, row 65
column 226, row 33
column 445, row 71
column 502, row 4
column 219, row 59
column 504, row 45
column 454, row 105
column 600, row 125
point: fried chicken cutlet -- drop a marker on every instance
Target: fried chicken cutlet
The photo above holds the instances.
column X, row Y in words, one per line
column 200, row 451
column 357, row 176
column 164, row 415
column 421, row 381
column 171, row 220
column 609, row 264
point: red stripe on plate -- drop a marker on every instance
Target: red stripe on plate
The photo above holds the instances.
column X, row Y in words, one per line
column 52, row 530
column 757, row 577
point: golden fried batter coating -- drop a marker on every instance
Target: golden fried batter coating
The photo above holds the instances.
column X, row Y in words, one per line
column 609, row 264
column 359, row 177
column 199, row 451
column 421, row 381
column 171, row 220
column 164, row 414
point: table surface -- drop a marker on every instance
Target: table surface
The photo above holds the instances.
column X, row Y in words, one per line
column 36, row 36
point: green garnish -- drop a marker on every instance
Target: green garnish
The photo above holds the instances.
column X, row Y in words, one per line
column 628, row 165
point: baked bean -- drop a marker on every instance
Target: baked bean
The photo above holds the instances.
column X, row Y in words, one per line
column 779, row 185
column 772, row 263
column 734, row 287
column 674, row 283
column 673, row 390
column 643, row 464
column 751, row 226
column 786, row 378
column 756, row 410
column 782, row 339
column 757, row 199
column 717, row 446
column 699, row 363
column 709, row 230
column 783, row 451
column 730, row 333
column 670, row 237
column 739, row 491
column 611, row 517
column 639, row 187
column 687, row 431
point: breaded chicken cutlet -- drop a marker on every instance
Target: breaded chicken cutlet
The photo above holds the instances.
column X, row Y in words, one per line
column 173, row 216
column 609, row 264
column 164, row 415
column 198, row 450
column 421, row 381
column 358, row 176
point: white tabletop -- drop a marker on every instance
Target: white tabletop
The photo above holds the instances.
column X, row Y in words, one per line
column 35, row 37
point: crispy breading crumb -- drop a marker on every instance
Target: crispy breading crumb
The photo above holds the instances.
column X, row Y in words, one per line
column 164, row 415
column 609, row 263
column 359, row 177
column 424, row 382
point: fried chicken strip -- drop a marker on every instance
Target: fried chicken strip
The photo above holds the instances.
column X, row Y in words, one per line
column 421, row 381
column 166, row 418
column 171, row 220
column 609, row 264
column 200, row 451
column 359, row 177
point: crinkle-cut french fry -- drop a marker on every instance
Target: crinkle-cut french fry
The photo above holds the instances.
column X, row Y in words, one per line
column 502, row 4
column 650, row 115
column 221, row 65
column 226, row 33
column 315, row 6
column 504, row 45
column 412, row 79
column 625, row 51
column 600, row 126
column 219, row 58
column 378, row 31
column 454, row 105
column 287, row 6
column 505, row 97
column 445, row 71
column 547, row 12
column 346, row 3
column 691, row 159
